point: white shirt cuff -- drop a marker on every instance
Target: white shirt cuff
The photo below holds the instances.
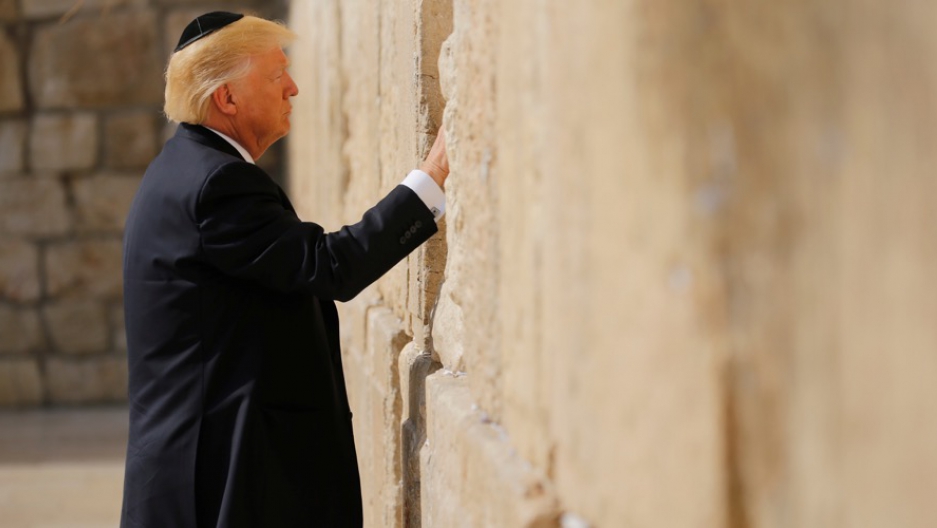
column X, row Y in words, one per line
column 426, row 188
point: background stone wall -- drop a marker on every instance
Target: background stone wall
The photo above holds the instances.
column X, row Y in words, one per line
column 684, row 279
column 81, row 93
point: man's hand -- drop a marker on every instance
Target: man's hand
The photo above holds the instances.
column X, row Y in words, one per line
column 437, row 161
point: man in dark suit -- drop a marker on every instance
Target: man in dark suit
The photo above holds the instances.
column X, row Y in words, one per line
column 238, row 410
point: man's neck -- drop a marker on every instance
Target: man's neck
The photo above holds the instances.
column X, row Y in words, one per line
column 248, row 157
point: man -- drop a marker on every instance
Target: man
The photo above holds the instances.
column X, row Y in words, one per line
column 238, row 410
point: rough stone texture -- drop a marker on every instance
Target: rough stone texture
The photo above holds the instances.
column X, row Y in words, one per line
column 94, row 61
column 62, row 142
column 11, row 81
column 20, row 331
column 19, row 270
column 12, row 146
column 471, row 475
column 33, row 207
column 91, row 380
column 130, row 140
column 689, row 253
column 376, row 400
column 20, row 383
column 78, row 327
column 103, row 201
column 85, row 268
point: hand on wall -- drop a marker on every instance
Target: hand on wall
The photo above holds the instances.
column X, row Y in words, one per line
column 436, row 163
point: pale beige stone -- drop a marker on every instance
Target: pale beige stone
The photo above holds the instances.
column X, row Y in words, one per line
column 33, row 207
column 12, row 147
column 77, row 327
column 103, row 201
column 64, row 141
column 85, row 268
column 471, row 474
column 20, row 330
column 20, row 383
column 87, row 380
column 19, row 270
column 11, row 81
column 97, row 61
column 130, row 140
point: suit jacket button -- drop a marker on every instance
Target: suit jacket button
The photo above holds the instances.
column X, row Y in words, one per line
column 413, row 229
column 418, row 224
column 403, row 240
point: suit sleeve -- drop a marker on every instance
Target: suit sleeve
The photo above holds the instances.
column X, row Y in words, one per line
column 248, row 233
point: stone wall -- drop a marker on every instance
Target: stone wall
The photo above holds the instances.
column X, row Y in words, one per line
column 684, row 276
column 81, row 94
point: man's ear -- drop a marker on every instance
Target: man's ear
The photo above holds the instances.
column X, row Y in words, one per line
column 223, row 100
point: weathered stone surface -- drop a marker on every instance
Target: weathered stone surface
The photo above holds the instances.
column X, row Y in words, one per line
column 471, row 474
column 12, row 146
column 97, row 61
column 51, row 8
column 103, row 201
column 85, row 268
column 11, row 81
column 20, row 383
column 130, row 140
column 77, row 326
column 87, row 380
column 8, row 10
column 33, row 207
column 20, row 331
column 64, row 141
column 19, row 270
column 414, row 365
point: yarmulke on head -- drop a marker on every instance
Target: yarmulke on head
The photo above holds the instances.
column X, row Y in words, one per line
column 205, row 25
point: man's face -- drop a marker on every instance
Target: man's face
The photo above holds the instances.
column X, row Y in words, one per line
column 263, row 97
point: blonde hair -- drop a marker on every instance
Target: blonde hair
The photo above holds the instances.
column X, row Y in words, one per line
column 197, row 70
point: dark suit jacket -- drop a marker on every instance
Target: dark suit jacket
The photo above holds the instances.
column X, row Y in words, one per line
column 238, row 410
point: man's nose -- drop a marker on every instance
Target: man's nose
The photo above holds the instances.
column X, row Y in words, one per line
column 291, row 89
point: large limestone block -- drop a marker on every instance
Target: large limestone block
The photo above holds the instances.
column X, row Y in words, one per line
column 33, row 207
column 20, row 383
column 77, row 327
column 319, row 172
column 85, row 268
column 103, row 201
column 20, row 330
column 12, row 146
column 87, row 380
column 130, row 140
column 97, row 61
column 471, row 474
column 64, row 142
column 11, row 81
column 19, row 270
column 467, row 326
column 380, row 412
